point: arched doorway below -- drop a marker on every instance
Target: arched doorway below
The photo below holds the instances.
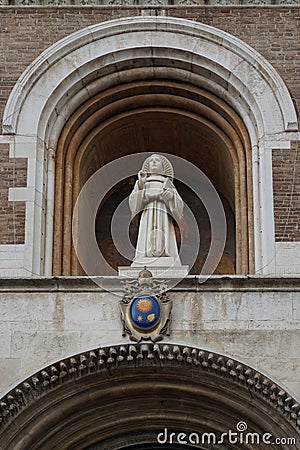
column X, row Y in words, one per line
column 124, row 395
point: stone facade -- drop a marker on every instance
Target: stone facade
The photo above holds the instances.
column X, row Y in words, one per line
column 252, row 319
column 236, row 67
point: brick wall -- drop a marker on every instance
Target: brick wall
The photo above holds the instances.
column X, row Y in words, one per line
column 26, row 32
column 286, row 186
column 274, row 32
column 12, row 214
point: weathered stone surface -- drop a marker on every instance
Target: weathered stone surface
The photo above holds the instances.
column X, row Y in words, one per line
column 296, row 306
column 4, row 345
column 255, row 320
column 41, row 306
column 10, row 370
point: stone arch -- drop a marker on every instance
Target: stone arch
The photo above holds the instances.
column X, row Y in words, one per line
column 103, row 396
column 86, row 63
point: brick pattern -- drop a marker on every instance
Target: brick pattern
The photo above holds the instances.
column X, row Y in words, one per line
column 26, row 32
column 286, row 187
column 13, row 173
column 274, row 32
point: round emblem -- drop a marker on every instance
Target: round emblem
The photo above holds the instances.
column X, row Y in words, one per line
column 145, row 312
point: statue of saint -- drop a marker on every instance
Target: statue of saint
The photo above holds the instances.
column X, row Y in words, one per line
column 155, row 196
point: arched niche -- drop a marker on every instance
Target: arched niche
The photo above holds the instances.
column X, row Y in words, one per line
column 82, row 67
column 156, row 116
column 123, row 396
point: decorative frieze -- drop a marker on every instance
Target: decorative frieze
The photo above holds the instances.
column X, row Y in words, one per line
column 160, row 355
column 147, row 3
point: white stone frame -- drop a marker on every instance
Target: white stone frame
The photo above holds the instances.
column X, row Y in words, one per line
column 61, row 78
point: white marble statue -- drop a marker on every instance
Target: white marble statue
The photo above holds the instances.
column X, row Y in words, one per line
column 156, row 197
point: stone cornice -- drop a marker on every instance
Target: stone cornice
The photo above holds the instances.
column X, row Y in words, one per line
column 115, row 284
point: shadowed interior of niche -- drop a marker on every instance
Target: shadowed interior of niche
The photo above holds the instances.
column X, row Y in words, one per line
column 109, row 244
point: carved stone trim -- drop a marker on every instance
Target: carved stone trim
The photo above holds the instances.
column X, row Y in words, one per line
column 149, row 3
column 143, row 355
column 222, row 283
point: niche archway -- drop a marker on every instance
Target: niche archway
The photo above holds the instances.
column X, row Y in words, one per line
column 91, row 62
column 160, row 116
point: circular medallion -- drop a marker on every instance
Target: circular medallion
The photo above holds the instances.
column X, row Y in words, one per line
column 145, row 312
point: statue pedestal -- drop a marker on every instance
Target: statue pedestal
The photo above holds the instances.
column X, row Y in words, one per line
column 158, row 271
column 155, row 261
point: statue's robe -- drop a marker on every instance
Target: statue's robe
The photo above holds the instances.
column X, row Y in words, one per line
column 156, row 237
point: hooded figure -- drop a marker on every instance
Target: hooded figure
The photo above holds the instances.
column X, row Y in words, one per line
column 155, row 195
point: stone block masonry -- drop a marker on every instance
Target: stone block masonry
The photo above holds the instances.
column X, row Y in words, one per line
column 253, row 319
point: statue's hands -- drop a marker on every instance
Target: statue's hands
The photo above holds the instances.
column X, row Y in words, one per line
column 142, row 179
column 166, row 195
